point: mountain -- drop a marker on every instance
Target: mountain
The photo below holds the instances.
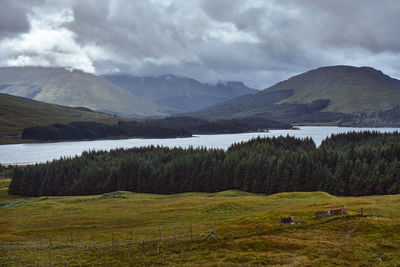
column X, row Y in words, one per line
column 181, row 94
column 343, row 95
column 74, row 88
column 17, row 113
column 349, row 89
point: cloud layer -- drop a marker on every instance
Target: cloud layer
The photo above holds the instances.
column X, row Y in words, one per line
column 258, row 42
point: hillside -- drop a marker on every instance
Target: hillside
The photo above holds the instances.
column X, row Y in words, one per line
column 179, row 93
column 174, row 230
column 74, row 88
column 334, row 95
column 349, row 89
column 17, row 113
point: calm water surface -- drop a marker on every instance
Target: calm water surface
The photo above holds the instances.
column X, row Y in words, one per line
column 35, row 153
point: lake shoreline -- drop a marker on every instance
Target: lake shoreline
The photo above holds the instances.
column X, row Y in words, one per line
column 31, row 153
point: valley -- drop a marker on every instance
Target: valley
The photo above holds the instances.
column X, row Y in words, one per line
column 207, row 207
column 199, row 133
column 179, row 93
column 335, row 95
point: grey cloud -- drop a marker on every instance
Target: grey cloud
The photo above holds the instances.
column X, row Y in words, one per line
column 13, row 18
column 259, row 42
column 369, row 24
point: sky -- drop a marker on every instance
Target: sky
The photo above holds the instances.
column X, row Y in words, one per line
column 258, row 42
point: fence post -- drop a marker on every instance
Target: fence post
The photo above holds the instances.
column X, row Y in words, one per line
column 213, row 231
column 256, row 228
column 344, row 210
column 191, row 233
column 50, row 260
column 159, row 233
column 362, row 212
column 295, row 219
column 280, row 222
column 372, row 211
column 175, row 241
column 131, row 235
column 50, row 241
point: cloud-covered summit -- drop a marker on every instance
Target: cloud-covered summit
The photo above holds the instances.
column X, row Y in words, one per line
column 257, row 42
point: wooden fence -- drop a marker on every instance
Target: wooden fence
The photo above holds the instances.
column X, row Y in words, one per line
column 290, row 220
column 331, row 212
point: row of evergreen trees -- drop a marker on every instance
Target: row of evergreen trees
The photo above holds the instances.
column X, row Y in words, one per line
column 346, row 164
column 170, row 127
column 96, row 130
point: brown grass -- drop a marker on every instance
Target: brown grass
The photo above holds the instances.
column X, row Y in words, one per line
column 101, row 227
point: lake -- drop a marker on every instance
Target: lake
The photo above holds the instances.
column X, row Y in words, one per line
column 42, row 152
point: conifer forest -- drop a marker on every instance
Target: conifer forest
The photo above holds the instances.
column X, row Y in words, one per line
column 351, row 164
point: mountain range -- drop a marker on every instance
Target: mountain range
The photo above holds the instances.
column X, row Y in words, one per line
column 74, row 88
column 179, row 93
column 338, row 95
column 334, row 95
column 125, row 95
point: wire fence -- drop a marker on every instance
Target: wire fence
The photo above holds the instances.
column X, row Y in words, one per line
column 164, row 238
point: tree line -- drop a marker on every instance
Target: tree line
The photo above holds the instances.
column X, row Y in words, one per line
column 157, row 128
column 351, row 164
column 96, row 130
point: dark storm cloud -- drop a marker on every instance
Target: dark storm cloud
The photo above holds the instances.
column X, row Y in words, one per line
column 259, row 42
column 13, row 18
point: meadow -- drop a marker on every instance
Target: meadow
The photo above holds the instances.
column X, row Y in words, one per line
column 133, row 229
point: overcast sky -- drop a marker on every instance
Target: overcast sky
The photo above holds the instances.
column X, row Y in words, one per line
column 259, row 42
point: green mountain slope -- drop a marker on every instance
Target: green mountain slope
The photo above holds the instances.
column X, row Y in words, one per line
column 334, row 95
column 179, row 93
column 74, row 88
column 349, row 89
column 17, row 113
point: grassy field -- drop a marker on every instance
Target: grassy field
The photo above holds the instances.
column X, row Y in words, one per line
column 124, row 229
